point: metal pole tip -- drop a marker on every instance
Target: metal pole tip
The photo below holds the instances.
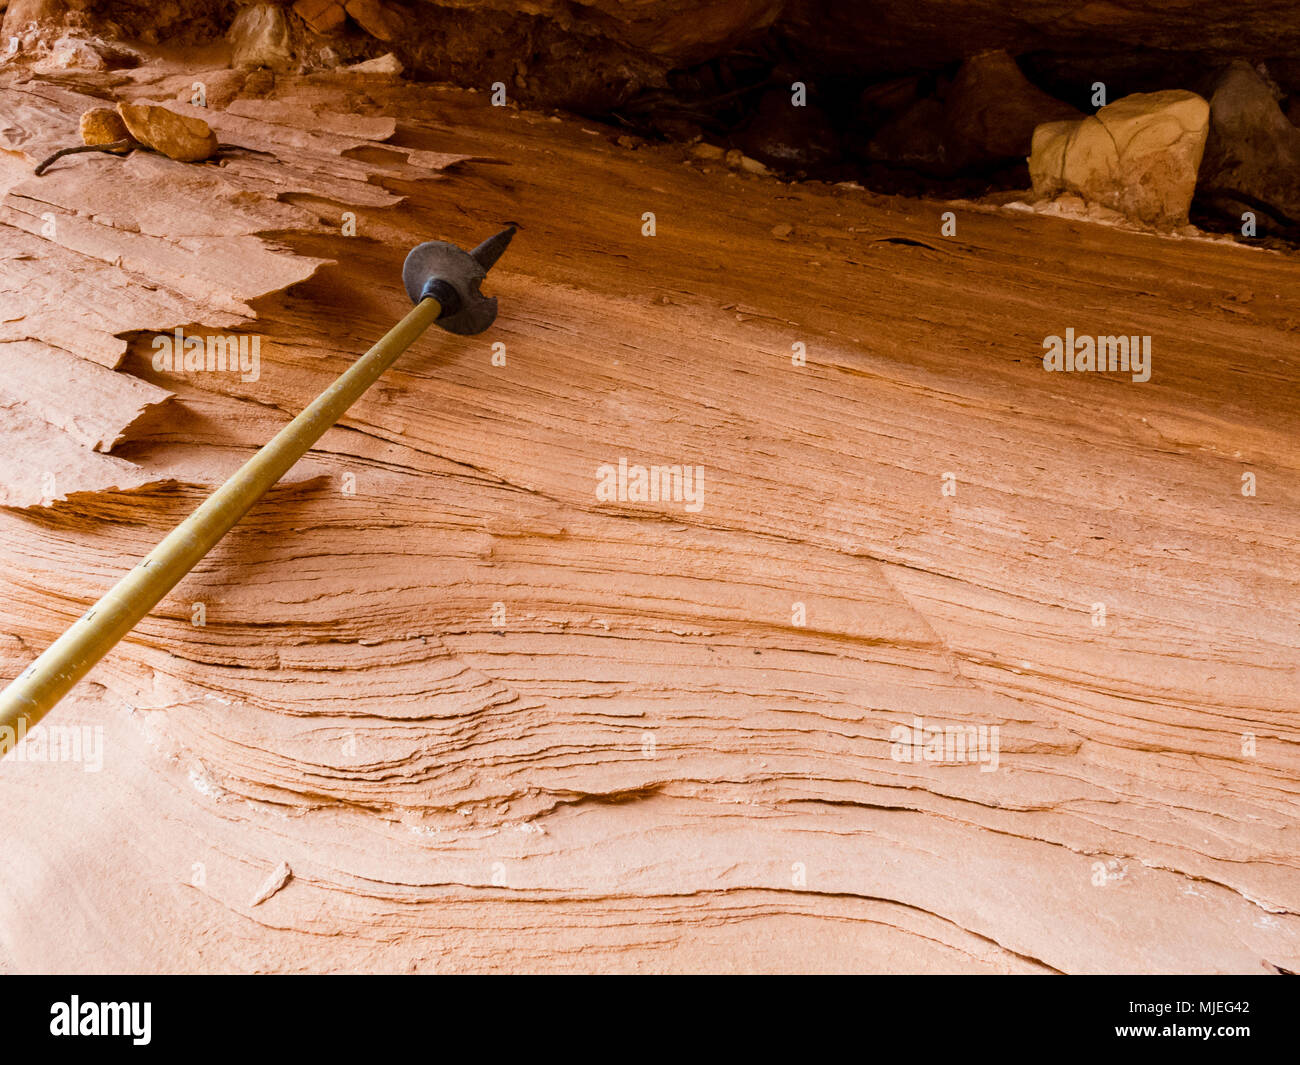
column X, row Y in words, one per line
column 487, row 253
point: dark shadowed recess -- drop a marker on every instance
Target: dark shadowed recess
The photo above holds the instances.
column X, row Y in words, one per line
column 899, row 95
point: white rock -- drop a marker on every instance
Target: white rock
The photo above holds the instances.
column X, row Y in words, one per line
column 385, row 64
column 1138, row 156
column 260, row 35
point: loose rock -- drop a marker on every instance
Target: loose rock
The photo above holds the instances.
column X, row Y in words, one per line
column 385, row 64
column 103, row 125
column 280, row 876
column 1252, row 154
column 992, row 109
column 704, row 150
column 181, row 137
column 72, row 53
column 260, row 35
column 1138, row 156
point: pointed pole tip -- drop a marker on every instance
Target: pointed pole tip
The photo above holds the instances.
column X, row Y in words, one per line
column 487, row 253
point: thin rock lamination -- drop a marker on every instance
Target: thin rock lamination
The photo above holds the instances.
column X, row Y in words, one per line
column 491, row 720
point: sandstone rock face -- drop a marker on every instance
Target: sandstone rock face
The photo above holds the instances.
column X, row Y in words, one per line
column 585, row 57
column 683, row 31
column 22, row 14
column 377, row 773
column 219, row 86
column 932, row 32
column 1252, row 154
column 322, row 16
column 888, row 99
column 103, row 125
column 78, row 50
column 927, row 32
column 71, row 52
column 992, row 110
column 376, row 18
column 1138, row 156
column 260, row 36
column 182, row 137
column 675, row 32
column 986, row 116
column 578, row 52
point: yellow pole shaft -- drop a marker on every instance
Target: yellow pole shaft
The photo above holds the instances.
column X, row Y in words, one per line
column 42, row 684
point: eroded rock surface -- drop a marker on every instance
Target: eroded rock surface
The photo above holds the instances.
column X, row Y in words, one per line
column 450, row 709
column 99, row 249
column 939, row 31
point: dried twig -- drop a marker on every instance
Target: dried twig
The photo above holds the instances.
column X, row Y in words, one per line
column 112, row 146
column 115, row 146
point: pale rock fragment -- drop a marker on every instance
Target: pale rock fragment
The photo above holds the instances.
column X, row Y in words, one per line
column 1138, row 156
column 260, row 36
column 71, row 52
column 79, row 50
column 385, row 64
column 280, row 876
column 704, row 150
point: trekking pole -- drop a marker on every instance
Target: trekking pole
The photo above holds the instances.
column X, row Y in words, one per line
column 443, row 283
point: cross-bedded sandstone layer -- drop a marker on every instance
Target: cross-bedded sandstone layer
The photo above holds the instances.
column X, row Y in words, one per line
column 450, row 709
